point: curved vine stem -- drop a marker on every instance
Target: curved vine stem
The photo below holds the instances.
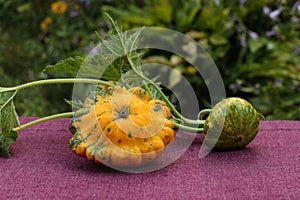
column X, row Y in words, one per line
column 56, row 81
column 50, row 81
column 188, row 128
column 44, row 119
column 171, row 106
column 203, row 112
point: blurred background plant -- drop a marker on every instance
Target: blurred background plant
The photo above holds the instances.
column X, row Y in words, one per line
column 255, row 44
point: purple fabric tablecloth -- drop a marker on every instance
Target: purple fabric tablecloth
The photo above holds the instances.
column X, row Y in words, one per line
column 42, row 167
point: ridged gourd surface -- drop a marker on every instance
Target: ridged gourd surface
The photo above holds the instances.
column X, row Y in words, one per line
column 122, row 128
column 240, row 125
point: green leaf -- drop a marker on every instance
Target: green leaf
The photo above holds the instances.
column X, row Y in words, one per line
column 8, row 115
column 6, row 139
column 76, row 64
column 218, row 39
column 117, row 48
column 70, row 66
column 255, row 45
column 8, row 121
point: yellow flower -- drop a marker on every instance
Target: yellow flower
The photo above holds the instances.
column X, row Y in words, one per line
column 48, row 20
column 58, row 7
column 43, row 26
column 45, row 23
column 191, row 70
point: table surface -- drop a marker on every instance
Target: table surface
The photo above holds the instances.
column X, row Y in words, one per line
column 42, row 167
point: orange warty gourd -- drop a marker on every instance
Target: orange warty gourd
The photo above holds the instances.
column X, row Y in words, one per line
column 122, row 128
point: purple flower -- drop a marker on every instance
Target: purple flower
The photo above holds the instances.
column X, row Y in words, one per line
column 272, row 14
column 296, row 6
column 271, row 33
column 242, row 2
column 277, row 83
column 296, row 51
column 243, row 40
column 275, row 14
column 217, row 2
column 266, row 10
column 174, row 101
column 253, row 35
column 74, row 13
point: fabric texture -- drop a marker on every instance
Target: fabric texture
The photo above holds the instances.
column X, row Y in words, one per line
column 42, row 167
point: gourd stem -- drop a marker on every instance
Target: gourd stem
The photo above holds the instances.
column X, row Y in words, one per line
column 200, row 123
column 187, row 128
column 177, row 114
column 44, row 119
column 63, row 80
column 203, row 112
column 191, row 121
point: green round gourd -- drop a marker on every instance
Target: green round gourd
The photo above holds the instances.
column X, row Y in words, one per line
column 240, row 127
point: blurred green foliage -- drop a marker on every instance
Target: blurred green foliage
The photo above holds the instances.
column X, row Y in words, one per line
column 28, row 44
column 255, row 44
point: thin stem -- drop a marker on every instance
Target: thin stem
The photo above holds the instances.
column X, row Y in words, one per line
column 188, row 122
column 192, row 122
column 44, row 119
column 187, row 128
column 203, row 112
column 171, row 106
column 147, row 88
column 63, row 80
column 155, row 87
